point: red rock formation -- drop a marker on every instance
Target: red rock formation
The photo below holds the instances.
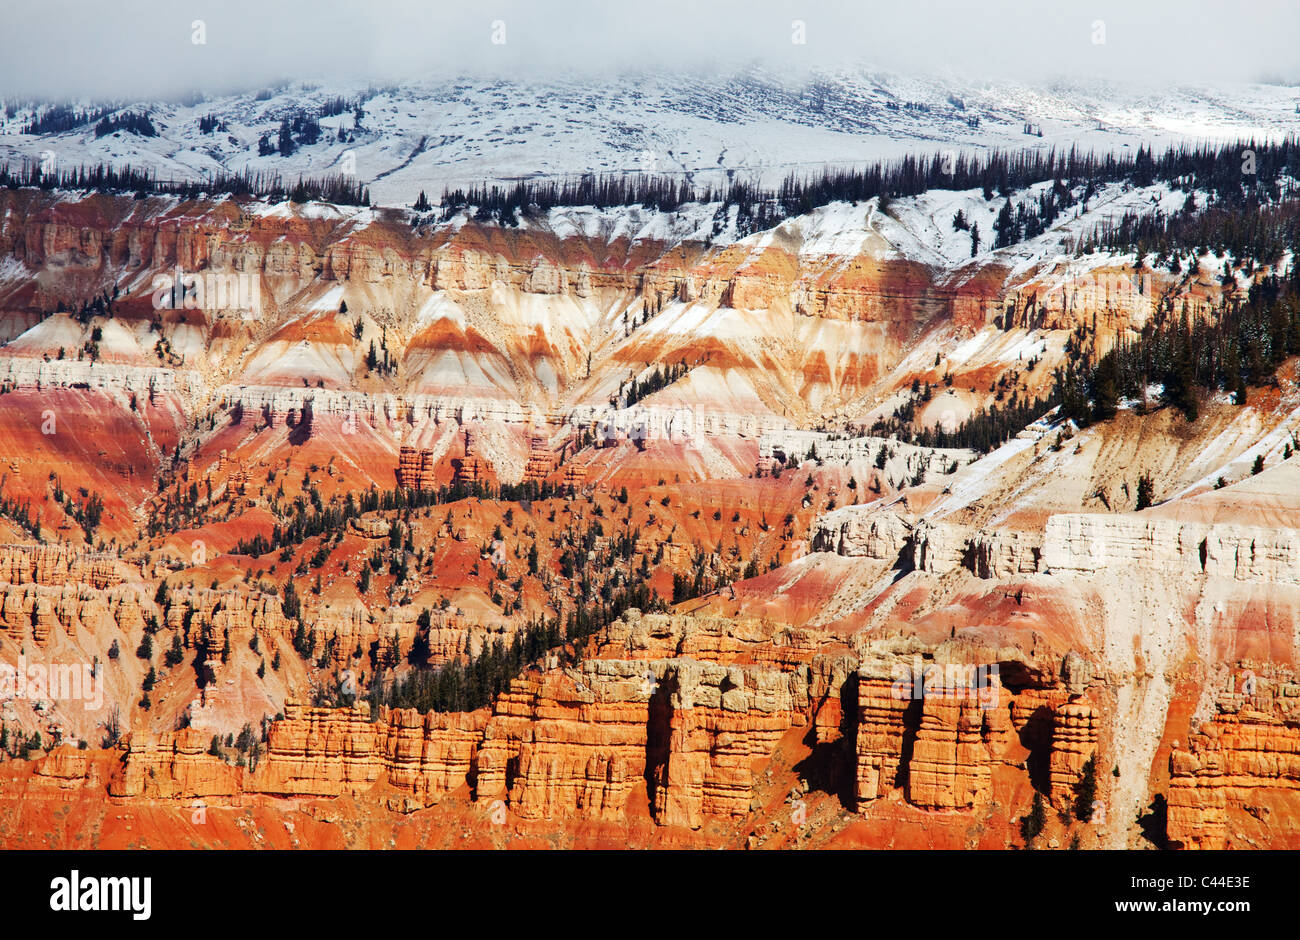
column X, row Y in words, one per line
column 415, row 468
column 961, row 735
column 174, row 765
column 428, row 756
column 541, row 461
column 77, row 609
column 944, row 730
column 1075, row 727
column 57, row 565
column 473, row 468
column 881, row 726
column 316, row 752
column 575, row 474
column 721, row 720
column 557, row 747
column 1232, row 765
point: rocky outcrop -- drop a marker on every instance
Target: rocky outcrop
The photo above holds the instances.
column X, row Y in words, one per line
column 684, row 711
column 562, row 745
column 1090, row 543
column 1075, row 729
column 937, row 729
column 1246, row 757
column 77, row 609
column 174, row 765
column 313, row 752
column 882, row 725
column 1004, row 554
column 720, row 719
column 330, row 751
column 1115, row 298
column 580, row 744
column 57, row 565
column 430, row 755
column 1230, row 762
column 67, row 768
column 473, row 469
column 322, row 752
column 238, row 612
column 961, row 734
column 541, row 461
column 415, row 468
column 939, row 547
column 860, row 532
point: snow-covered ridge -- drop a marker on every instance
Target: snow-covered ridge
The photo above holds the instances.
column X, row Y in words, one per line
column 423, row 136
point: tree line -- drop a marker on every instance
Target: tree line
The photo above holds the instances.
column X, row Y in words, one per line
column 251, row 184
column 1233, row 173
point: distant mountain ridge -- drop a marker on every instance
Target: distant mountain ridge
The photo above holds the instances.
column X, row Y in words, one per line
column 424, row 136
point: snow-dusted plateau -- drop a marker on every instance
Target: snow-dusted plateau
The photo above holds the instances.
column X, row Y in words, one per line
column 427, row 136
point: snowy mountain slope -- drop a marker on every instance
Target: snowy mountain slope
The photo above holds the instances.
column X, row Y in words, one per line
column 430, row 134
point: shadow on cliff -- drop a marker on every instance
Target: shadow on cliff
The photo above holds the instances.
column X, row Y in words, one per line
column 1155, row 823
column 831, row 766
column 1036, row 733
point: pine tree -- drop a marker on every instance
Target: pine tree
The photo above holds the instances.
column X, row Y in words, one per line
column 1034, row 823
column 1105, row 390
column 1085, row 791
column 1180, row 382
column 1005, row 227
column 1145, row 492
column 176, row 653
column 286, row 144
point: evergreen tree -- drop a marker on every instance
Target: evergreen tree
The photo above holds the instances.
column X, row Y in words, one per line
column 1085, row 791
column 1034, row 823
column 1005, row 227
column 1105, row 389
column 286, row 145
column 1145, row 492
column 176, row 653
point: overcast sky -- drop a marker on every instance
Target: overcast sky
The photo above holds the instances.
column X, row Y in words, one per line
column 134, row 48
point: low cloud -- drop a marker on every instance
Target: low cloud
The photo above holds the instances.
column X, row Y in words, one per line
column 148, row 48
